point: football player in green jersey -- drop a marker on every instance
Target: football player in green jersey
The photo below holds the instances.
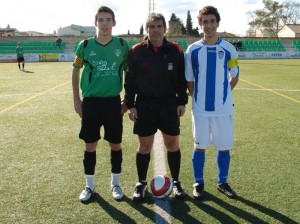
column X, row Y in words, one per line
column 103, row 60
column 20, row 56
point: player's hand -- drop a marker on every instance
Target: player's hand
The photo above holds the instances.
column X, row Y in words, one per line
column 78, row 107
column 133, row 114
column 124, row 108
column 180, row 110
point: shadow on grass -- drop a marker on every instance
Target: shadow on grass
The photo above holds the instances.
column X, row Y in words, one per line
column 114, row 213
column 224, row 218
column 276, row 215
column 180, row 210
column 28, row 71
column 139, row 206
column 221, row 216
column 155, row 217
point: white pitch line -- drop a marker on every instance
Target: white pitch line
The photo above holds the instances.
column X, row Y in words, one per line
column 283, row 90
column 271, row 91
column 31, row 94
column 34, row 96
column 70, row 91
column 162, row 207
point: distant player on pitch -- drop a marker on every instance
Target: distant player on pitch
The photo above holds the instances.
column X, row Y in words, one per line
column 212, row 71
column 103, row 58
column 20, row 57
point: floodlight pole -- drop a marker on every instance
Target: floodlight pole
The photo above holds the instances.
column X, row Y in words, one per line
column 151, row 6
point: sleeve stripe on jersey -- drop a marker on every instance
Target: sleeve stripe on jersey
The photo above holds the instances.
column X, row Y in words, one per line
column 176, row 45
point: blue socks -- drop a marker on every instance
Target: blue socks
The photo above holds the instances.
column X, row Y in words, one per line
column 198, row 159
column 223, row 161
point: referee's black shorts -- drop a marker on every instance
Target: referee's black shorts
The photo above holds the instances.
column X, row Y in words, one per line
column 98, row 112
column 156, row 114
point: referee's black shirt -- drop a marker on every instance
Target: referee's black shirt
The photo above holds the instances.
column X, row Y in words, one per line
column 155, row 72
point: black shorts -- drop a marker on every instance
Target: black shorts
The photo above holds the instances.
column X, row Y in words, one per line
column 156, row 114
column 21, row 59
column 98, row 112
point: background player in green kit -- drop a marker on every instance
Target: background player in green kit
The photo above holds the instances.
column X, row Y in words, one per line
column 20, row 56
column 103, row 58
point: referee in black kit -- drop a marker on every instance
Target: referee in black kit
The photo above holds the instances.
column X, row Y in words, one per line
column 156, row 95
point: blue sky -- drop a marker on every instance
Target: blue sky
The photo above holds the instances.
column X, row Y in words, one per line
column 47, row 16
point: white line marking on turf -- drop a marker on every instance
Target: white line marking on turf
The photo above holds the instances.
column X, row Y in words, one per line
column 30, row 94
column 70, row 91
column 162, row 207
column 282, row 90
column 272, row 91
column 33, row 97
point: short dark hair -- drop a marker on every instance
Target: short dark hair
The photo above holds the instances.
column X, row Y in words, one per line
column 156, row 17
column 209, row 10
column 105, row 9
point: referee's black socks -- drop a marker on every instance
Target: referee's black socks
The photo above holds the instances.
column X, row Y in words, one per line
column 174, row 159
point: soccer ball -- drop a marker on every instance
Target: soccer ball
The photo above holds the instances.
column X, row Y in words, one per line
column 161, row 186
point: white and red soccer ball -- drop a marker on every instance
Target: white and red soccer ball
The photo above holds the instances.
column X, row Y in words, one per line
column 161, row 186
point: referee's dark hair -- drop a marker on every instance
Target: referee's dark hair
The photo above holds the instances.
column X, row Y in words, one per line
column 156, row 17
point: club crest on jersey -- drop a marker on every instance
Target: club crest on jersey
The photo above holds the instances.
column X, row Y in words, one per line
column 117, row 52
column 221, row 54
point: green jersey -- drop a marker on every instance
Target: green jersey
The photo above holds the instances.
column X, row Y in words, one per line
column 104, row 66
column 19, row 52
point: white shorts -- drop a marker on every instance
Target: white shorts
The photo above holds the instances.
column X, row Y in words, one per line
column 217, row 131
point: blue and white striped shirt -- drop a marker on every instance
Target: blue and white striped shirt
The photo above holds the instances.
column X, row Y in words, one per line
column 209, row 67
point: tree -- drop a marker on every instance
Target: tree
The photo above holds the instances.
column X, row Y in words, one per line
column 190, row 31
column 142, row 30
column 271, row 18
column 292, row 12
column 189, row 24
column 175, row 26
column 195, row 32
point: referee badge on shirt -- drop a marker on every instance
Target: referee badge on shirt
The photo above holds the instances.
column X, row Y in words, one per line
column 221, row 54
column 170, row 66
